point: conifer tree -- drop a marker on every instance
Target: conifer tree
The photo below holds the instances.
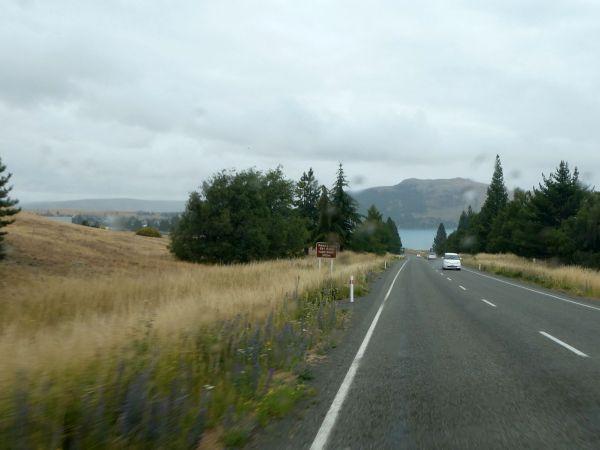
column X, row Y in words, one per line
column 325, row 210
column 496, row 201
column 306, row 200
column 439, row 242
column 7, row 205
column 345, row 215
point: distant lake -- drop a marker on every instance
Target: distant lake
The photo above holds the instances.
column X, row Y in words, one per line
column 421, row 239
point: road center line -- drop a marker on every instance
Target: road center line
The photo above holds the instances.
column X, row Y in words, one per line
column 489, row 303
column 534, row 290
column 330, row 418
column 564, row 344
column 462, row 287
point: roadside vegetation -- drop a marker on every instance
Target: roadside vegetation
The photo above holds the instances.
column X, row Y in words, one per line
column 573, row 279
column 253, row 215
column 558, row 222
column 132, row 348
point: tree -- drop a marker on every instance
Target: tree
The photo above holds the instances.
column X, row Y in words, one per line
column 376, row 236
column 583, row 232
column 496, row 200
column 345, row 216
column 394, row 244
column 240, row 217
column 558, row 198
column 439, row 242
column 306, row 201
column 7, row 206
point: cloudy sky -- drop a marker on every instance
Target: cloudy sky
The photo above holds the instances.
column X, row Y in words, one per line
column 148, row 98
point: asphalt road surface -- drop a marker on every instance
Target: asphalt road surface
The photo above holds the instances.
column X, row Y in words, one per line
column 457, row 360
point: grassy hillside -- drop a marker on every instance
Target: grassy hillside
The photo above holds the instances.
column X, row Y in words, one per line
column 424, row 203
column 109, row 204
column 94, row 320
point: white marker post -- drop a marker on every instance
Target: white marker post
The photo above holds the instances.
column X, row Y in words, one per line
column 351, row 288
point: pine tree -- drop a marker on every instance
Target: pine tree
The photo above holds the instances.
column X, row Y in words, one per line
column 7, row 205
column 306, row 201
column 439, row 242
column 496, row 201
column 395, row 242
column 325, row 210
column 345, row 215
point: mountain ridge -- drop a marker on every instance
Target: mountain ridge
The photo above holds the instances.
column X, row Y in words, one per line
column 424, row 203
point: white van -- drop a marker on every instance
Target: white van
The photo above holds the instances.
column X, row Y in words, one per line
column 451, row 261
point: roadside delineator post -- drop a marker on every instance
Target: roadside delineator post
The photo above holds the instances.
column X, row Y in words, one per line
column 385, row 264
column 480, row 267
column 351, row 288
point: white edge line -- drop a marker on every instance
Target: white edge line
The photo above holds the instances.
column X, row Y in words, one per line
column 489, row 303
column 534, row 290
column 564, row 344
column 449, row 279
column 330, row 418
column 462, row 287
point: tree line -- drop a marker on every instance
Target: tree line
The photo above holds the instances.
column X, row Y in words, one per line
column 560, row 219
column 253, row 215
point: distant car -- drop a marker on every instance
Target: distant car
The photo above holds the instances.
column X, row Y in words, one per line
column 418, row 255
column 451, row 261
column 431, row 256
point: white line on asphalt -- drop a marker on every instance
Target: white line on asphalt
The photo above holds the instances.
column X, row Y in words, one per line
column 330, row 418
column 489, row 303
column 564, row 344
column 534, row 290
column 462, row 287
column 449, row 279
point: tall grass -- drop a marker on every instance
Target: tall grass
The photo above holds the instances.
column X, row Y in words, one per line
column 574, row 279
column 157, row 358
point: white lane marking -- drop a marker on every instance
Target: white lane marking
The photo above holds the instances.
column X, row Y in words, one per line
column 449, row 279
column 330, row 418
column 489, row 303
column 462, row 287
column 534, row 290
column 564, row 344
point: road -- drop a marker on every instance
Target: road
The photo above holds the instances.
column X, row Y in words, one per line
column 460, row 360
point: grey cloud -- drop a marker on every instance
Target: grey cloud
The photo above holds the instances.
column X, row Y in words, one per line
column 120, row 98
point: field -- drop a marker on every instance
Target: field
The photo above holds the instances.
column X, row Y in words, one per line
column 573, row 279
column 93, row 318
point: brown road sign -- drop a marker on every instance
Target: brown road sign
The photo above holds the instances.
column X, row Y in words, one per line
column 325, row 250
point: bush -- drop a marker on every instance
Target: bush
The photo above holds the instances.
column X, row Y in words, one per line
column 148, row 232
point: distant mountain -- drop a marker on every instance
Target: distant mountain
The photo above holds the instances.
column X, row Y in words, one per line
column 417, row 203
column 109, row 204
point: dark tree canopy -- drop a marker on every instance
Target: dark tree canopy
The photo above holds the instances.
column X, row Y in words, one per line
column 306, row 200
column 240, row 217
column 7, row 205
column 375, row 235
column 560, row 219
column 439, row 242
column 345, row 217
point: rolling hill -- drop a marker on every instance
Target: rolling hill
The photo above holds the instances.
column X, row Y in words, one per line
column 109, row 205
column 417, row 203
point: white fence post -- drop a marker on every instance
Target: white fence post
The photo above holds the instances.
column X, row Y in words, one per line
column 351, row 288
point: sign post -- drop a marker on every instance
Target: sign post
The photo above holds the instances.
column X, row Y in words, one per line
column 325, row 250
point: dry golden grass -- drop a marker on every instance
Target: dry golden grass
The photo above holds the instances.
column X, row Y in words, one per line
column 574, row 279
column 72, row 293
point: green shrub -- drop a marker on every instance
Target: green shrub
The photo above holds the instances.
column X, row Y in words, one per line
column 148, row 232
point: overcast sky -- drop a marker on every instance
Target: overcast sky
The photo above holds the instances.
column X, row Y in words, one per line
column 148, row 98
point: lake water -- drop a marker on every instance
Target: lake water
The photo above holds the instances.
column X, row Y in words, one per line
column 419, row 239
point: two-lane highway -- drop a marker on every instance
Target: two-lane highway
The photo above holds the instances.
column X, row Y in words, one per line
column 462, row 360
